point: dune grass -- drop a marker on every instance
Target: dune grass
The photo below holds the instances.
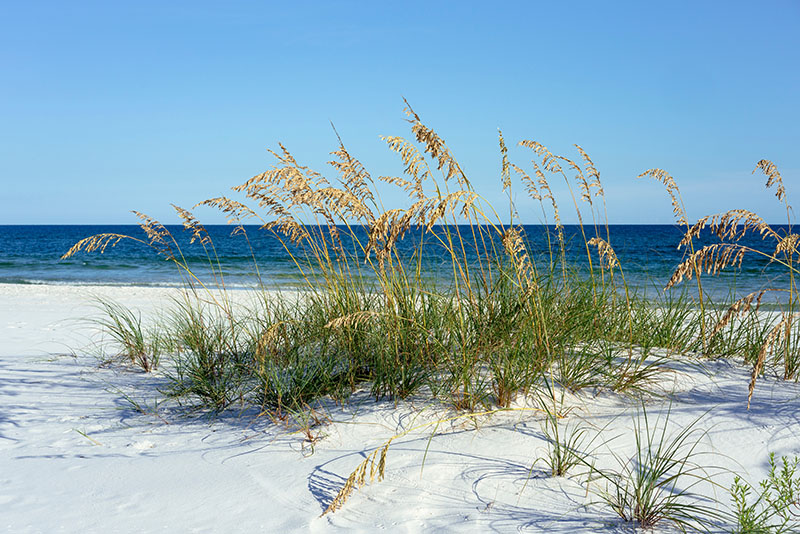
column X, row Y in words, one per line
column 656, row 485
column 132, row 343
column 505, row 322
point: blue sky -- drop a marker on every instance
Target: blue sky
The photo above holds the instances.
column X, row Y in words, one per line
column 107, row 107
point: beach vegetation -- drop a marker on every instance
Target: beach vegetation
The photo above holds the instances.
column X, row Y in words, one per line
column 132, row 342
column 566, row 443
column 492, row 320
column 656, row 484
column 729, row 252
column 776, row 506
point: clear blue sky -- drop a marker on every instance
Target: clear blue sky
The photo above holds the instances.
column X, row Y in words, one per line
column 111, row 106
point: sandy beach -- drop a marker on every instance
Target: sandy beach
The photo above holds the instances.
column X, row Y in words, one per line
column 78, row 457
column 359, row 267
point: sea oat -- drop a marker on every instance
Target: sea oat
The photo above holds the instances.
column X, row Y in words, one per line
column 505, row 173
column 352, row 319
column 391, row 225
column 778, row 331
column 236, row 211
column 740, row 307
column 711, row 259
column 549, row 160
column 159, row 237
column 608, row 258
column 773, row 177
column 547, row 193
column 374, row 465
column 344, row 203
column 672, row 189
column 448, row 205
column 729, row 226
column 190, row 222
column 591, row 171
column 530, row 185
column 94, row 243
column 402, row 183
column 515, row 247
column 788, row 245
column 583, row 183
column 436, row 147
column 356, row 181
column 416, row 167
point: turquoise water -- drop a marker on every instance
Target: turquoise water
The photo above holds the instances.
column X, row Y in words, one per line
column 31, row 255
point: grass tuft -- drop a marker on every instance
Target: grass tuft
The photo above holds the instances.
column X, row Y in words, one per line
column 655, row 485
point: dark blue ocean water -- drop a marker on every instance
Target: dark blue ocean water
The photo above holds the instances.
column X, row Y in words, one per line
column 31, row 255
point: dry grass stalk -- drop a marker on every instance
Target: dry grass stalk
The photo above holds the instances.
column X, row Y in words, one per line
column 729, row 226
column 391, row 225
column 515, row 247
column 356, row 181
column 505, row 173
column 773, row 178
column 608, row 258
column 530, row 185
column 372, row 468
column 290, row 188
column 592, row 172
column 741, row 307
column 549, row 160
column 779, row 331
column 673, row 191
column 436, row 147
column 691, row 266
column 288, row 226
column 94, row 243
column 547, row 193
column 158, row 238
column 583, row 184
column 711, row 259
column 286, row 185
column 344, row 203
column 190, row 222
column 788, row 245
column 448, row 204
column 402, row 183
column 352, row 319
column 236, row 211
column 542, row 193
column 416, row 166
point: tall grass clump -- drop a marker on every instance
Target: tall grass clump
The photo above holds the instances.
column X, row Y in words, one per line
column 495, row 318
column 480, row 332
column 133, row 342
column 655, row 485
column 498, row 319
column 781, row 341
column 682, row 219
column 210, row 362
column 566, row 443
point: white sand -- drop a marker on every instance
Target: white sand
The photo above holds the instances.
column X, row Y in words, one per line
column 75, row 456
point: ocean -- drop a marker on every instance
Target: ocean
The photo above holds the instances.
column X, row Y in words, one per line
column 31, row 254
